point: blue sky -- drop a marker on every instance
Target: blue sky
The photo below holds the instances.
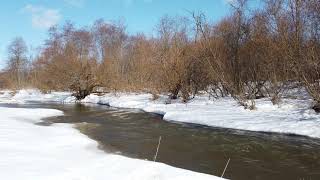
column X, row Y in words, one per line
column 30, row 19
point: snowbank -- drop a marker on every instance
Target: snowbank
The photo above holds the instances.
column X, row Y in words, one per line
column 293, row 116
column 32, row 152
column 29, row 95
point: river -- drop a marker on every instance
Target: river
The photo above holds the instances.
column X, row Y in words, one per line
column 134, row 133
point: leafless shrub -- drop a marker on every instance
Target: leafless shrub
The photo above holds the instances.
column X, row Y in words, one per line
column 249, row 54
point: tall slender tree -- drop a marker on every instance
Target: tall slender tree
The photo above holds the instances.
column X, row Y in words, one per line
column 17, row 61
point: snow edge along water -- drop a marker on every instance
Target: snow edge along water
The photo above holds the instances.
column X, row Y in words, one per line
column 59, row 151
column 293, row 116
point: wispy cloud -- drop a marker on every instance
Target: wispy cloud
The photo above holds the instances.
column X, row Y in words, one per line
column 130, row 2
column 75, row 3
column 41, row 16
column 228, row 1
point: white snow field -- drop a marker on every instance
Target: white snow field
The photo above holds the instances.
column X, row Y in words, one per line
column 60, row 152
column 293, row 116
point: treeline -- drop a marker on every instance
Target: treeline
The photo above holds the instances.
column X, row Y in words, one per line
column 252, row 53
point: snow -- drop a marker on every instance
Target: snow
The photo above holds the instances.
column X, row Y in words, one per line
column 34, row 152
column 26, row 95
column 293, row 116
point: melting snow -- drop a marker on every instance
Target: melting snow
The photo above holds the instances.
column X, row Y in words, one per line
column 60, row 152
column 293, row 116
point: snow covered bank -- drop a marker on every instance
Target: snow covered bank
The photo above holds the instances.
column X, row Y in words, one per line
column 60, row 152
column 293, row 116
column 28, row 95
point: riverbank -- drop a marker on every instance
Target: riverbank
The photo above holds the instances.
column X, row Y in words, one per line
column 58, row 151
column 293, row 116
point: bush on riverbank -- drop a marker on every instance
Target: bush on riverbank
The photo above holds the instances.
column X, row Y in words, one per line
column 250, row 54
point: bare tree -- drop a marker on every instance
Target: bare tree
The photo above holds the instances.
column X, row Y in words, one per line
column 17, row 61
column 249, row 54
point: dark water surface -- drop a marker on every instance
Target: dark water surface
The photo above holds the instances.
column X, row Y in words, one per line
column 134, row 133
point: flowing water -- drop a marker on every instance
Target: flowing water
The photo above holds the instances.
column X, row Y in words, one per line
column 133, row 133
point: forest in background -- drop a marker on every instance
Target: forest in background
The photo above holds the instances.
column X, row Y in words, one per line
column 251, row 53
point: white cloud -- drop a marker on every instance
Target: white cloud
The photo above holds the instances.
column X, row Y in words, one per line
column 130, row 2
column 75, row 3
column 42, row 17
column 229, row 1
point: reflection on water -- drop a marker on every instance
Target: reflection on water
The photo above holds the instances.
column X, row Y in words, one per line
column 253, row 155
